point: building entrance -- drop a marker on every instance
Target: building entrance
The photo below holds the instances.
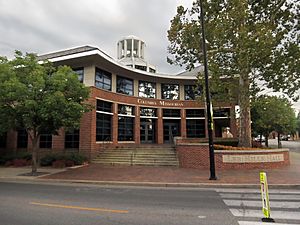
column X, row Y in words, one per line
column 171, row 129
column 147, row 133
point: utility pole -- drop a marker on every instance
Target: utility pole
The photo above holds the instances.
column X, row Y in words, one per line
column 209, row 110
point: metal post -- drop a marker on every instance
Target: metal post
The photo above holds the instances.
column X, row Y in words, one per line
column 208, row 101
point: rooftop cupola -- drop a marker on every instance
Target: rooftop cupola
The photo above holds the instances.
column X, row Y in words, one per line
column 131, row 52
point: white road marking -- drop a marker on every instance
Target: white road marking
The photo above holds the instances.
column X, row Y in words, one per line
column 258, row 196
column 259, row 214
column 201, row 217
column 273, row 204
column 263, row 223
column 257, row 190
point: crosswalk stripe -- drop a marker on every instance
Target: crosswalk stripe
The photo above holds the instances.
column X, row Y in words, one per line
column 274, row 204
column 257, row 190
column 257, row 196
column 262, row 223
column 259, row 214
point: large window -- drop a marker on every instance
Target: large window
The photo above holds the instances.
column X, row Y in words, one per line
column 103, row 120
column 171, row 112
column 147, row 89
column 104, row 106
column 125, row 123
column 103, row 79
column 72, row 138
column 191, row 92
column 124, row 85
column 125, row 128
column 195, row 128
column 103, row 127
column 170, row 91
column 80, row 73
column 148, row 112
column 195, row 113
column 45, row 140
column 22, row 138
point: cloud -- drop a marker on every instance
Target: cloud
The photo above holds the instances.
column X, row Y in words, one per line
column 46, row 26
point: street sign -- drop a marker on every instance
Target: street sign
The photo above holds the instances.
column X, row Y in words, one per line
column 265, row 195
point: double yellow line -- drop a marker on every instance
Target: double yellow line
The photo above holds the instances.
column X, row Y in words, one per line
column 79, row 208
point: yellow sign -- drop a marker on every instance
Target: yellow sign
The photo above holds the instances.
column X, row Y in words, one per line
column 264, row 194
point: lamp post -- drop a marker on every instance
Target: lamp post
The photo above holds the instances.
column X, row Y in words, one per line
column 208, row 101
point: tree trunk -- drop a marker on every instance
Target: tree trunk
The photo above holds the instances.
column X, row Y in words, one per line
column 267, row 141
column 279, row 141
column 245, row 117
column 34, row 154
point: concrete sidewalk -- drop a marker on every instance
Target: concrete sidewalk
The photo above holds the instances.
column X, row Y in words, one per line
column 160, row 176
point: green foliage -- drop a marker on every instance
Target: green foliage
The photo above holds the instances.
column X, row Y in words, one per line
column 255, row 41
column 77, row 158
column 271, row 113
column 39, row 97
column 11, row 156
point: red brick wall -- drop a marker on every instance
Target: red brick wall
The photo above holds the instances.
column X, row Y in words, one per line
column 197, row 156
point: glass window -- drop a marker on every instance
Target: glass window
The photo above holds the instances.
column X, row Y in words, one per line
column 221, row 112
column 103, row 79
column 139, row 67
column 125, row 128
column 195, row 128
column 195, row 113
column 191, row 92
column 103, row 127
column 46, row 140
column 124, row 86
column 80, row 73
column 3, row 140
column 72, row 138
column 125, row 109
column 104, row 106
column 171, row 112
column 22, row 138
column 148, row 112
column 147, row 89
column 170, row 91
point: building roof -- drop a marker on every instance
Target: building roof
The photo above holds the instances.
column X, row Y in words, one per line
column 84, row 51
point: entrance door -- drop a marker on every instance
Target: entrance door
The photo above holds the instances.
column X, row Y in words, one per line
column 147, row 133
column 171, row 129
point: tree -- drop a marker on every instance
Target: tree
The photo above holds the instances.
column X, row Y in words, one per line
column 39, row 98
column 271, row 113
column 256, row 41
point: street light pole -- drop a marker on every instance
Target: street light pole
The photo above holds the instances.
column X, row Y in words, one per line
column 208, row 101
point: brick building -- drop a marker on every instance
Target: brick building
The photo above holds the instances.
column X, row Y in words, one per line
column 134, row 104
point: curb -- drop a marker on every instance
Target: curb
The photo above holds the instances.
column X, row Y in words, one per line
column 145, row 184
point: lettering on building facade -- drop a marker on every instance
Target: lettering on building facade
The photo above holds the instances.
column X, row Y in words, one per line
column 159, row 103
column 252, row 158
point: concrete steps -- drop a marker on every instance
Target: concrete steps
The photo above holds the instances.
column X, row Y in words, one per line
column 138, row 155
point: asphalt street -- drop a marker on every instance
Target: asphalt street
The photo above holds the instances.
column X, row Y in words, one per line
column 25, row 203
column 294, row 146
column 51, row 204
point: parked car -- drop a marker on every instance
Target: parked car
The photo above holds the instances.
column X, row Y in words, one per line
column 285, row 137
column 258, row 138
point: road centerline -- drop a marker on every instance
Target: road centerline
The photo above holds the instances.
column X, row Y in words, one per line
column 79, row 207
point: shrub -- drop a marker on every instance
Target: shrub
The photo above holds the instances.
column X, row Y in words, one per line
column 19, row 162
column 47, row 160
column 78, row 159
column 223, row 147
column 8, row 159
column 61, row 163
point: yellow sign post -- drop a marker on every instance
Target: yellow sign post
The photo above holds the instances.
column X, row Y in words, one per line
column 265, row 197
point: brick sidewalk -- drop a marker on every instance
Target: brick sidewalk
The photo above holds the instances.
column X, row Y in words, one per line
column 95, row 172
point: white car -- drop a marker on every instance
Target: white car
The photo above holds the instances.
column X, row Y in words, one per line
column 258, row 138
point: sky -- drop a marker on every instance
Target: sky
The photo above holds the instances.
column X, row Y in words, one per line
column 43, row 26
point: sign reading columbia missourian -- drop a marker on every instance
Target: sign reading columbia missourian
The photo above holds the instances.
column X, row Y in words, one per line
column 159, row 103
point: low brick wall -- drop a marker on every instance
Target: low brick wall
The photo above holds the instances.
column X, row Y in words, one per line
column 197, row 156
